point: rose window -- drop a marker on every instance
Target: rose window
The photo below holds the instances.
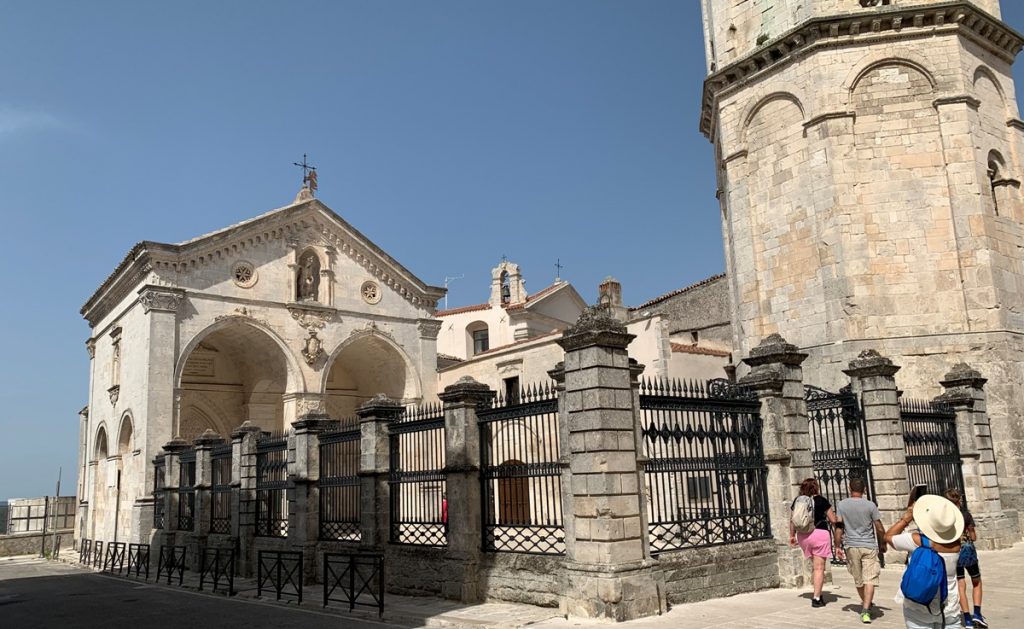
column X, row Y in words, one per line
column 244, row 274
column 370, row 292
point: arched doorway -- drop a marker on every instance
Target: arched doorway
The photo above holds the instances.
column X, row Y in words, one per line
column 125, row 466
column 364, row 367
column 98, row 507
column 233, row 372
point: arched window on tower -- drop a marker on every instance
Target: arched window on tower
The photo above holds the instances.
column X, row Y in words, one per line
column 994, row 177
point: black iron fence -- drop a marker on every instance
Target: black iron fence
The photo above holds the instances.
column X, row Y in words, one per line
column 272, row 487
column 187, row 491
column 159, row 481
column 339, row 485
column 839, row 451
column 706, row 479
column 932, row 446
column 520, row 475
column 281, row 570
column 220, row 489
column 417, row 478
column 171, row 562
column 217, row 565
column 358, row 576
column 138, row 559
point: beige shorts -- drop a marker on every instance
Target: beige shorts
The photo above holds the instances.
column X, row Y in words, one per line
column 863, row 565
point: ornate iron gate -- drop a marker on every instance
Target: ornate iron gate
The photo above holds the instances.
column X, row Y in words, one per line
column 272, row 487
column 839, row 450
column 933, row 450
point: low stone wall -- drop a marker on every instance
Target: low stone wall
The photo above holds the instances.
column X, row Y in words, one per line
column 703, row 573
column 518, row 578
column 416, row 570
column 31, row 543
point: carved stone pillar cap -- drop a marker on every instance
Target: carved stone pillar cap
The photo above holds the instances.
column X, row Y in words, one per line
column 635, row 369
column 175, row 445
column 208, row 438
column 870, row 363
column 246, row 428
column 466, row 389
column 763, row 378
column 313, row 421
column 558, row 373
column 596, row 326
column 957, row 397
column 775, row 349
column 963, row 375
column 379, row 405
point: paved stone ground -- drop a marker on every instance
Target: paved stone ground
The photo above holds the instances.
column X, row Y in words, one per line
column 1002, row 572
column 39, row 594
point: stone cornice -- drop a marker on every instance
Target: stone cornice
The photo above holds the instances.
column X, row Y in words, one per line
column 160, row 298
column 962, row 99
column 855, row 29
column 429, row 328
column 870, row 364
column 832, row 115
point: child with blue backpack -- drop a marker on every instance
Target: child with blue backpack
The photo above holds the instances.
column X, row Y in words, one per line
column 928, row 590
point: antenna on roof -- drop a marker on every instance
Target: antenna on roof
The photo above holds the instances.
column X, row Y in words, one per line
column 448, row 279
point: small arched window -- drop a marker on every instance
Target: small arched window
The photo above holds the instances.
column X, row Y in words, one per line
column 479, row 338
column 999, row 185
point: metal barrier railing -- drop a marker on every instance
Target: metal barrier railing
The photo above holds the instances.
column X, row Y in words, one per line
column 359, row 576
column 138, row 559
column 114, row 559
column 280, row 569
column 218, row 564
column 171, row 560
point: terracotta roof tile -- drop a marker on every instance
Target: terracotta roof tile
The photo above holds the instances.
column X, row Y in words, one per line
column 679, row 348
column 543, row 293
column 455, row 311
column 678, row 291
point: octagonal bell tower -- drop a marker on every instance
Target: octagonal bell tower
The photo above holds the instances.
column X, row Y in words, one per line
column 869, row 159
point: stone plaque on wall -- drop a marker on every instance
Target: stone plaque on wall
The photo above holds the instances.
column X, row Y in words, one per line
column 201, row 366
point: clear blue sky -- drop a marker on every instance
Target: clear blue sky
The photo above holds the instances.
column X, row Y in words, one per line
column 449, row 132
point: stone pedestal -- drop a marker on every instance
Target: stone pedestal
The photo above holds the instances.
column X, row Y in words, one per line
column 965, row 392
column 375, row 416
column 609, row 571
column 873, row 378
column 462, row 456
column 243, row 476
column 777, row 377
column 204, row 481
column 304, row 472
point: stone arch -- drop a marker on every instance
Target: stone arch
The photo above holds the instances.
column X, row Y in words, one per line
column 232, row 371
column 101, row 444
column 880, row 60
column 296, row 380
column 984, row 72
column 760, row 104
column 367, row 363
column 126, row 434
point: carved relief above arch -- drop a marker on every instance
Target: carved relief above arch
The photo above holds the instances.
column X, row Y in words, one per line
column 984, row 72
column 882, row 59
column 759, row 104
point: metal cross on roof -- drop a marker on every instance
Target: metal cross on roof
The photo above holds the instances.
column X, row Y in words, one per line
column 558, row 270
column 308, row 174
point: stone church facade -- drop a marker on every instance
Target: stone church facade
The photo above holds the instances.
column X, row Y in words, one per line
column 869, row 157
column 290, row 313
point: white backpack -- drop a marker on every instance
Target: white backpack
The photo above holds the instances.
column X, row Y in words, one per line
column 803, row 514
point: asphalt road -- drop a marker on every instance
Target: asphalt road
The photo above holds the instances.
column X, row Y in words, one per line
column 43, row 595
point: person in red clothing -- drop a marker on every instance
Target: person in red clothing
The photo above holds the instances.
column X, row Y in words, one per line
column 444, row 509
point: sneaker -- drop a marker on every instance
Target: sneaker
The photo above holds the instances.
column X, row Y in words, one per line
column 979, row 621
column 865, row 617
column 968, row 622
column 817, row 602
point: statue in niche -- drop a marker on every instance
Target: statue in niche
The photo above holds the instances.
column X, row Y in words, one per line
column 308, row 280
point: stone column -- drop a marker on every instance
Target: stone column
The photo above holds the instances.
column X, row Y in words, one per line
column 777, row 377
column 375, row 415
column 462, row 466
column 965, row 392
column 243, row 478
column 609, row 573
column 304, row 515
column 873, row 378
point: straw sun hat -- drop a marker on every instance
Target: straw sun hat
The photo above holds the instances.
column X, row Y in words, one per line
column 939, row 519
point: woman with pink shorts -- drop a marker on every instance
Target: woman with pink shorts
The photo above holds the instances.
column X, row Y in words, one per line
column 817, row 545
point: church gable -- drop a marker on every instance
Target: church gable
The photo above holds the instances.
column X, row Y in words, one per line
column 303, row 253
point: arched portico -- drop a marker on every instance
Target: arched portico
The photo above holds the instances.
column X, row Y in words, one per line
column 234, row 371
column 364, row 365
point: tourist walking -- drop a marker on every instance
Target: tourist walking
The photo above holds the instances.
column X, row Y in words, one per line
column 940, row 525
column 809, row 528
column 860, row 534
column 968, row 564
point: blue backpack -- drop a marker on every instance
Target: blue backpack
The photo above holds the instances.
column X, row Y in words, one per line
column 925, row 576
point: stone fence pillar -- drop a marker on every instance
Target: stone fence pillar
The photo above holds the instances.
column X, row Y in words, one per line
column 243, row 478
column 965, row 392
column 462, row 466
column 609, row 573
column 304, row 473
column 375, row 415
column 873, row 378
column 204, row 444
column 172, row 459
column 777, row 377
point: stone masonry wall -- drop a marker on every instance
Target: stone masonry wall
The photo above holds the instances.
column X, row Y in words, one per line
column 703, row 573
